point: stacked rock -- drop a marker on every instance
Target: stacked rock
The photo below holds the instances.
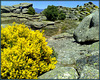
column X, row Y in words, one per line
column 19, row 8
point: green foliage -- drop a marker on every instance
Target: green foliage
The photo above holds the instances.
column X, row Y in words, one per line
column 96, row 7
column 51, row 13
column 31, row 11
column 69, row 8
column 80, row 18
column 24, row 53
column 61, row 16
column 54, row 54
column 87, row 14
column 88, row 9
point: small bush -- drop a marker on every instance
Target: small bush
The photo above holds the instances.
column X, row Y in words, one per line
column 96, row 7
column 88, row 9
column 80, row 18
column 61, row 16
column 51, row 13
column 24, row 53
column 87, row 14
column 31, row 11
column 54, row 54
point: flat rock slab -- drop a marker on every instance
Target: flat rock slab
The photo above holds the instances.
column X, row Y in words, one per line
column 89, row 73
column 9, row 15
column 60, row 73
column 91, row 59
column 15, row 15
column 23, row 5
column 48, row 22
column 68, row 51
column 35, row 24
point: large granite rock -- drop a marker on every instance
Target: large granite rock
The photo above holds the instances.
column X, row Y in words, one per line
column 17, row 11
column 4, row 9
column 47, row 23
column 23, row 5
column 26, row 5
column 25, row 10
column 68, row 51
column 77, row 12
column 89, row 73
column 60, row 73
column 19, row 8
column 42, row 18
column 75, row 55
column 88, row 29
column 91, row 59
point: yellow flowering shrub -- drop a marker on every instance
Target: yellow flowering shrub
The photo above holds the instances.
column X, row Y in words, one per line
column 96, row 6
column 88, row 9
column 24, row 53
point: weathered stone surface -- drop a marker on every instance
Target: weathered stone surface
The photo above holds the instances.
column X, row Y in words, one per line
column 95, row 20
column 42, row 18
column 48, row 23
column 60, row 73
column 18, row 11
column 4, row 9
column 68, row 51
column 72, row 16
column 18, row 16
column 23, row 5
column 74, row 53
column 9, row 15
column 16, row 6
column 35, row 24
column 19, row 8
column 89, row 7
column 6, row 19
column 91, row 59
column 36, row 15
column 26, row 5
column 12, row 9
column 88, row 29
column 25, row 10
column 94, row 46
column 89, row 73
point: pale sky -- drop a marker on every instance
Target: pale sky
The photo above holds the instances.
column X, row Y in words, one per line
column 44, row 4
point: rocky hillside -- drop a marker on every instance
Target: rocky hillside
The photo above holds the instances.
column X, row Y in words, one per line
column 18, row 8
column 78, row 56
column 79, row 12
column 75, row 40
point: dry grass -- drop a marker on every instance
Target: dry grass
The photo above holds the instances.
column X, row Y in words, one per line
column 62, row 26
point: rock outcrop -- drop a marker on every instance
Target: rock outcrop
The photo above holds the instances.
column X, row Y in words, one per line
column 79, row 12
column 36, row 25
column 19, row 8
column 75, row 61
column 89, row 73
column 83, row 60
column 88, row 29
column 60, row 73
